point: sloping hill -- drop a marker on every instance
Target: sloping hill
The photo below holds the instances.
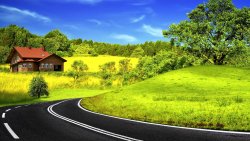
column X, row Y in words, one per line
column 216, row 97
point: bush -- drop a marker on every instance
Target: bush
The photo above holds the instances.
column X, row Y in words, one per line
column 79, row 68
column 163, row 62
column 138, row 52
column 107, row 72
column 38, row 87
column 94, row 53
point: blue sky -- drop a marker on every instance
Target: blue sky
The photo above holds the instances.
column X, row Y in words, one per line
column 113, row 21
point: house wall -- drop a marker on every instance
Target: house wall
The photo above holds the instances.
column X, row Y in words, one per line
column 14, row 68
column 15, row 58
column 27, row 66
column 51, row 61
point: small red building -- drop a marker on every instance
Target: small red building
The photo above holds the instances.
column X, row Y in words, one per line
column 23, row 59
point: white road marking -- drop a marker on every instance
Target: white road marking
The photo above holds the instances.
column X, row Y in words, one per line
column 3, row 115
column 8, row 110
column 50, row 110
column 187, row 128
column 13, row 134
column 18, row 107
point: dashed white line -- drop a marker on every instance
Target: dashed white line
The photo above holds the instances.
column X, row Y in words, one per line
column 7, row 110
column 98, row 130
column 18, row 107
column 13, row 134
column 170, row 126
column 3, row 115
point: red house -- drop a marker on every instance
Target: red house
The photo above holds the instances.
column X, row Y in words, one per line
column 23, row 59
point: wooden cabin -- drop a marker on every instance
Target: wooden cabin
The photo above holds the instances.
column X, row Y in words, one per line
column 23, row 59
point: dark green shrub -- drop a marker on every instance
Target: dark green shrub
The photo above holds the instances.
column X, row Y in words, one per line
column 94, row 53
column 38, row 87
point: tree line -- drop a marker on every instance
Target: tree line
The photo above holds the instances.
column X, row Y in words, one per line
column 57, row 42
column 216, row 32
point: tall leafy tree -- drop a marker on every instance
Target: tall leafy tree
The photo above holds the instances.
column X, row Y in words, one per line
column 56, row 41
column 138, row 52
column 10, row 37
column 215, row 31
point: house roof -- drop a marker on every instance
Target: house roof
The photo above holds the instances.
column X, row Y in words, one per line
column 28, row 54
column 52, row 55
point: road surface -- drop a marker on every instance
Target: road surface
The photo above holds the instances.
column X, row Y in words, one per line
column 66, row 121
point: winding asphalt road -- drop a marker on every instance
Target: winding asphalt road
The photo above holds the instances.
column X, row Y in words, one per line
column 66, row 121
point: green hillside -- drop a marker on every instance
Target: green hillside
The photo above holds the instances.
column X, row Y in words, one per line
column 215, row 97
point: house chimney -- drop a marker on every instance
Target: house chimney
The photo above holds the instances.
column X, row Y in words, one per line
column 43, row 48
column 29, row 47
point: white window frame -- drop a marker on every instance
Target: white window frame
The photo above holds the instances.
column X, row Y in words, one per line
column 51, row 65
column 46, row 65
column 24, row 65
column 42, row 65
column 30, row 65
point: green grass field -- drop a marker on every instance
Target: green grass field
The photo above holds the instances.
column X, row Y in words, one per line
column 14, row 86
column 56, row 94
column 214, row 97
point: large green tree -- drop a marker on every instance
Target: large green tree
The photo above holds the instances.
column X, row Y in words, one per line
column 215, row 31
column 56, row 41
column 11, row 36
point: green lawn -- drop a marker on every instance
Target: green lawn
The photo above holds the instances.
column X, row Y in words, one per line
column 215, row 97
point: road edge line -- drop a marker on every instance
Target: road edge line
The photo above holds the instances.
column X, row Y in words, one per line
column 86, row 126
column 162, row 125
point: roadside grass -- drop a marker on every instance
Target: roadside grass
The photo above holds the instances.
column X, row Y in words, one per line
column 214, row 97
column 56, row 94
column 14, row 86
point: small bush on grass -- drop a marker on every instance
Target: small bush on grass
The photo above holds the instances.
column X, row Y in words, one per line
column 38, row 87
column 107, row 73
column 79, row 68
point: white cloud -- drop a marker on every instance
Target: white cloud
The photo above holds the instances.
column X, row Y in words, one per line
column 95, row 21
column 142, row 3
column 157, row 32
column 136, row 20
column 34, row 15
column 139, row 4
column 85, row 1
column 124, row 37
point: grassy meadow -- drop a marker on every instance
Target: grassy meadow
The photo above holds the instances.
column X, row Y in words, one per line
column 14, row 86
column 214, row 97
